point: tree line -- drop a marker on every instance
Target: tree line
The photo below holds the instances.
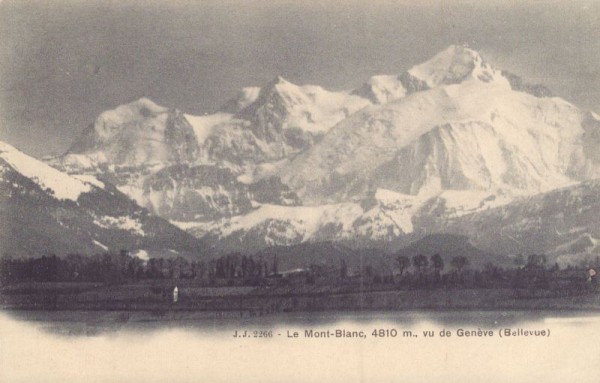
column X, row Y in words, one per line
column 418, row 271
column 123, row 267
column 533, row 271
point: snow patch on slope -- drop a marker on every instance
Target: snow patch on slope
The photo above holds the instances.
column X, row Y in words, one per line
column 61, row 185
column 141, row 254
column 307, row 220
column 204, row 125
column 100, row 245
column 387, row 214
column 123, row 222
column 399, row 208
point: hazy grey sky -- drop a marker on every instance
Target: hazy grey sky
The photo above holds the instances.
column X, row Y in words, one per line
column 64, row 62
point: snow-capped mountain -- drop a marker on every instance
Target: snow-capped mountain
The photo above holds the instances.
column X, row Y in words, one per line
column 451, row 66
column 44, row 211
column 186, row 167
column 468, row 129
column 272, row 123
column 260, row 124
column 393, row 160
column 137, row 134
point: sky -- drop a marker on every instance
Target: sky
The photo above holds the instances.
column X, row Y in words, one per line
column 64, row 62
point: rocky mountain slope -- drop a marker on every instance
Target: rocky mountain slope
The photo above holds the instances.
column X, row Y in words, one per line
column 563, row 223
column 44, row 211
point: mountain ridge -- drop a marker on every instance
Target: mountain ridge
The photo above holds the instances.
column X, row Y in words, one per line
column 285, row 164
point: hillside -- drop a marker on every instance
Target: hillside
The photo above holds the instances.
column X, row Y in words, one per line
column 44, row 211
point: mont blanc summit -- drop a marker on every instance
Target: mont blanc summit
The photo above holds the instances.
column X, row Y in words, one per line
column 463, row 128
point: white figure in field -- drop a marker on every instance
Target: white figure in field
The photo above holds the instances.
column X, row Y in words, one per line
column 175, row 294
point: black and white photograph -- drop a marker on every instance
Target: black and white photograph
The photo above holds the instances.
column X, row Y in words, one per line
column 302, row 191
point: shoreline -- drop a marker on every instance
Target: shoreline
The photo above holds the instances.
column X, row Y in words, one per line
column 261, row 303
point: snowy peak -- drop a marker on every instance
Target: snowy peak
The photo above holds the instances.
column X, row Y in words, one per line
column 273, row 105
column 278, row 93
column 283, row 106
column 473, row 135
column 138, row 133
column 454, row 65
column 110, row 123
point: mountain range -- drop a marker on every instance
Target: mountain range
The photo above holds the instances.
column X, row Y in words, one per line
column 450, row 146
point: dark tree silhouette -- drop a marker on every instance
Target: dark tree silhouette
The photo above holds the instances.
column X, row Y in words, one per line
column 536, row 270
column 437, row 262
column 403, row 263
column 438, row 265
column 519, row 260
column 420, row 262
column 459, row 262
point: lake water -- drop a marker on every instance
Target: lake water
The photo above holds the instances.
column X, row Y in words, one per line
column 195, row 347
